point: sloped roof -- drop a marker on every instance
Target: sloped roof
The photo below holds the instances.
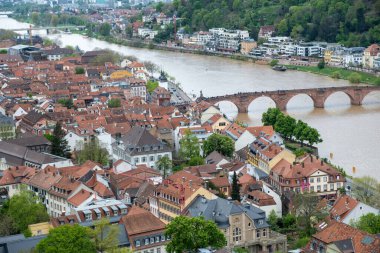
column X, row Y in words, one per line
column 139, row 221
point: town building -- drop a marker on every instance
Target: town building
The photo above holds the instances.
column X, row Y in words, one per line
column 370, row 54
column 7, row 127
column 243, row 225
column 339, row 237
column 310, row 174
column 138, row 146
column 175, row 193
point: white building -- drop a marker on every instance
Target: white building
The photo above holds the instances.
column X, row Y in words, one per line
column 146, row 33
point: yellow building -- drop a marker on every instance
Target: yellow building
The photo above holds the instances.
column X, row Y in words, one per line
column 247, row 46
column 120, row 74
column 218, row 123
column 40, row 228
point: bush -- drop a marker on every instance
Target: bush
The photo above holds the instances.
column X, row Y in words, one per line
column 354, row 78
column 273, row 63
column 321, row 64
column 302, row 242
column 335, row 75
column 79, row 70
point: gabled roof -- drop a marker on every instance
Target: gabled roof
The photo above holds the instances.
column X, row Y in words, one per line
column 139, row 221
column 343, row 206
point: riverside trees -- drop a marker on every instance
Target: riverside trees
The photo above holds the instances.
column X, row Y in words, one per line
column 289, row 127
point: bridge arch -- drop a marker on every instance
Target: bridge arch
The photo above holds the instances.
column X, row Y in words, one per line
column 271, row 102
column 225, row 103
column 347, row 94
column 309, row 98
column 373, row 96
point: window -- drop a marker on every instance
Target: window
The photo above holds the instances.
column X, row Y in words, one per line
column 151, row 240
column 162, row 238
column 324, row 179
column 136, row 160
column 88, row 216
column 146, row 241
column 261, row 222
column 157, row 239
column 264, row 232
column 311, row 188
column 325, row 187
column 258, row 233
column 143, row 159
column 236, row 234
column 151, row 158
column 137, row 243
column 331, row 187
column 318, row 188
column 338, row 185
column 158, row 250
column 318, row 179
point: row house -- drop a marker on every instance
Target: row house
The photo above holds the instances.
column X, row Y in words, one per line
column 13, row 178
column 263, row 154
column 244, row 226
column 146, row 233
column 176, row 192
column 310, row 174
column 138, row 146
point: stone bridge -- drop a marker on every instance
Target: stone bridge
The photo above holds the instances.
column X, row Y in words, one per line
column 282, row 97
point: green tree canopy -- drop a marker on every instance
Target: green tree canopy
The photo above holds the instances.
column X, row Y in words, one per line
column 114, row 103
column 93, row 151
column 235, row 192
column 66, row 102
column 59, row 145
column 369, row 223
column 191, row 233
column 220, row 143
column 367, row 190
column 67, row 239
column 22, row 210
column 189, row 146
column 105, row 29
column 269, row 118
column 105, row 235
column 151, row 86
column 164, row 165
column 79, row 71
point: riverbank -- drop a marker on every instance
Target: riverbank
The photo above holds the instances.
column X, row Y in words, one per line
column 339, row 73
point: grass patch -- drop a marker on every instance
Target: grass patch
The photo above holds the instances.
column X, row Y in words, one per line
column 352, row 76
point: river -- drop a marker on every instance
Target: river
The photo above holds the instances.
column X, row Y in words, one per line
column 351, row 134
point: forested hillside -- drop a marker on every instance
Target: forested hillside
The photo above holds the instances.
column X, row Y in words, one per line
column 351, row 22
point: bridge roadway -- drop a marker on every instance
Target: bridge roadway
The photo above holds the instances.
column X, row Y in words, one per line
column 281, row 98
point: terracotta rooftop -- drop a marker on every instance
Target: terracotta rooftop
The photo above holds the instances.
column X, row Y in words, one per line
column 139, row 221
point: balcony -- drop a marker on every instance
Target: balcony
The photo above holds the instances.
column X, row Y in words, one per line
column 265, row 244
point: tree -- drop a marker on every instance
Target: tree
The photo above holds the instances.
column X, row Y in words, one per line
column 354, row 78
column 307, row 212
column 59, row 145
column 93, row 151
column 66, row 102
column 189, row 234
column 189, row 146
column 151, row 67
column 114, row 103
column 79, row 71
column 105, row 235
column 220, row 143
column 235, row 192
column 67, row 239
column 300, row 130
column 107, row 56
column 367, row 190
column 369, row 223
column 285, row 125
column 164, row 164
column 25, row 202
column 105, row 29
column 196, row 160
column 273, row 62
column 151, row 86
column 312, row 136
column 321, row 64
column 272, row 220
column 269, row 117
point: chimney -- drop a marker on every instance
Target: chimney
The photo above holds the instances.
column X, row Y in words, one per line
column 303, row 165
column 82, row 191
column 183, row 179
column 311, row 158
column 291, row 166
column 321, row 161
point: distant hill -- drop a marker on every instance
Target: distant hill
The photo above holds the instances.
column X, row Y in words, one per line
column 350, row 22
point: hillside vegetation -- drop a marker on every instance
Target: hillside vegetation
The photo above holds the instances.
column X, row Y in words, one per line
column 351, row 22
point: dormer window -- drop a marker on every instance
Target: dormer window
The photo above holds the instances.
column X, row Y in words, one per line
column 137, row 243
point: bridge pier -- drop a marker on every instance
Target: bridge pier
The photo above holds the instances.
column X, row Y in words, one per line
column 319, row 103
column 242, row 108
